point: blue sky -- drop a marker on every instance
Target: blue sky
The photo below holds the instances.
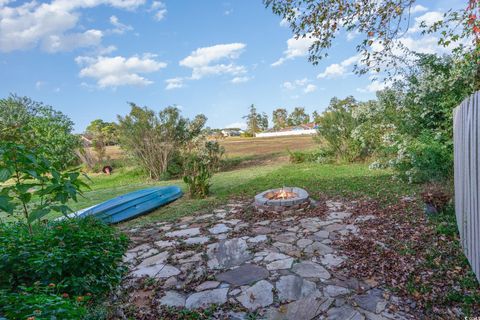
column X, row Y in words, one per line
column 88, row 58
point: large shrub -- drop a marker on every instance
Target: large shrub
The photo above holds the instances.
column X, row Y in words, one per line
column 335, row 127
column 35, row 125
column 416, row 115
column 78, row 256
column 424, row 158
column 152, row 139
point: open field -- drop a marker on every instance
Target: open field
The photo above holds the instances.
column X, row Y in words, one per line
column 235, row 147
column 249, row 147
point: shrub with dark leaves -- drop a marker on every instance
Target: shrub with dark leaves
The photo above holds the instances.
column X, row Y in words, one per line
column 79, row 257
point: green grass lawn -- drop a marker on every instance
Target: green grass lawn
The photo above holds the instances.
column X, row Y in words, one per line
column 350, row 181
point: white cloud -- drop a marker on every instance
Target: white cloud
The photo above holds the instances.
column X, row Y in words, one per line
column 290, row 85
column 241, row 125
column 119, row 71
column 352, row 35
column 101, row 51
column 160, row 8
column 56, row 43
column 426, row 44
column 301, row 84
column 174, row 83
column 374, row 86
column 295, row 48
column 205, row 61
column 418, row 8
column 39, row 84
column 427, row 19
column 51, row 26
column 228, row 12
column 338, row 69
column 120, row 28
column 240, row 80
column 310, row 88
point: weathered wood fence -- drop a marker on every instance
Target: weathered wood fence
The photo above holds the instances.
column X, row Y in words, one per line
column 466, row 137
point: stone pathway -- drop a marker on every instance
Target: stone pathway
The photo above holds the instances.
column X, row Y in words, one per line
column 285, row 268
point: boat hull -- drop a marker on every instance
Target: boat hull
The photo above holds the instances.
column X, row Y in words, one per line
column 132, row 204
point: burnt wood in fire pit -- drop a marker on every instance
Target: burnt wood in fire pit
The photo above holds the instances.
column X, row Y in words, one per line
column 267, row 198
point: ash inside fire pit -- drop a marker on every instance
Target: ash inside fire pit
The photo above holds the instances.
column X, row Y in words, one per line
column 286, row 198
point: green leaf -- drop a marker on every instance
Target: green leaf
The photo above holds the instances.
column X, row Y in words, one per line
column 6, row 205
column 37, row 214
column 5, row 174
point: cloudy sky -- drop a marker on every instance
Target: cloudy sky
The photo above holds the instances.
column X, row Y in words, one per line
column 88, row 58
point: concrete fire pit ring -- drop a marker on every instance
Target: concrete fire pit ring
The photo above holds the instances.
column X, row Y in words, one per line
column 263, row 199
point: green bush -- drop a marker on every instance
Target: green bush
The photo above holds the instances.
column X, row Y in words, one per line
column 199, row 164
column 320, row 156
column 78, row 256
column 31, row 304
column 425, row 158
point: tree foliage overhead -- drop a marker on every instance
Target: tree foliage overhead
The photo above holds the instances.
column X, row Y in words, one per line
column 38, row 126
column 380, row 25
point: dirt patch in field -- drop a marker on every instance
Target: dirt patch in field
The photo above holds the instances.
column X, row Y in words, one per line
column 235, row 147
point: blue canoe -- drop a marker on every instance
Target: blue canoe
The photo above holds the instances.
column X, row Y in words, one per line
column 132, row 204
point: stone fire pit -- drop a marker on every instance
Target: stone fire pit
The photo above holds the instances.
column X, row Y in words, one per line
column 282, row 199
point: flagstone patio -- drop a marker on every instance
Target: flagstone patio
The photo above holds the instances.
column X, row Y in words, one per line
column 285, row 267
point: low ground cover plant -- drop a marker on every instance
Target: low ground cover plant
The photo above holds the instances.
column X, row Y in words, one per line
column 59, row 271
column 78, row 257
column 40, row 304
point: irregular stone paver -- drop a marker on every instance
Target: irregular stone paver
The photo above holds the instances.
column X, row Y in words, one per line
column 372, row 301
column 257, row 239
column 205, row 298
column 280, row 264
column 331, row 260
column 286, row 267
column 318, row 248
column 228, row 253
column 149, row 271
column 219, row 228
column 302, row 243
column 344, row 313
column 335, row 291
column 242, row 275
column 173, row 299
column 305, row 309
column 165, row 243
column 197, row 240
column 258, row 295
column 184, row 233
column 207, row 285
column 167, row 271
column 294, row 287
column 272, row 256
column 309, row 269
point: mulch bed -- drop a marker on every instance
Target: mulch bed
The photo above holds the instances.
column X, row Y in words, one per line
column 401, row 249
